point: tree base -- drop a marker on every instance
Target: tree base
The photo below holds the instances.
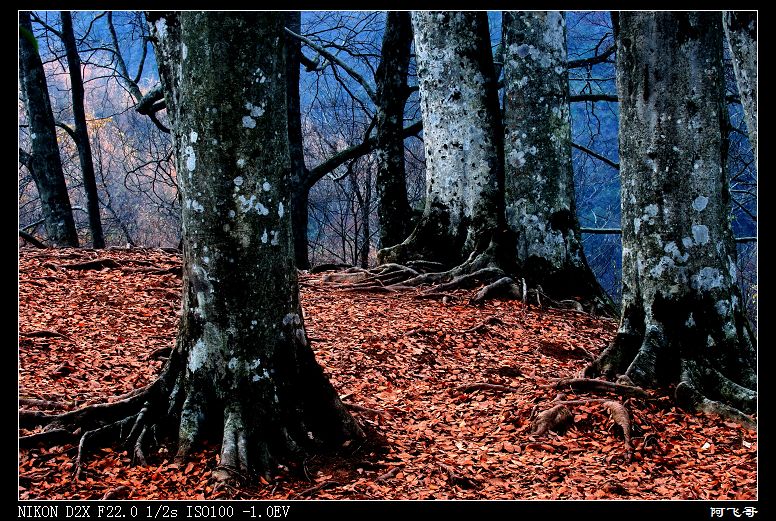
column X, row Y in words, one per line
column 701, row 387
column 314, row 420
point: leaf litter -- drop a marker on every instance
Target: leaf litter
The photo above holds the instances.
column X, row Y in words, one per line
column 453, row 389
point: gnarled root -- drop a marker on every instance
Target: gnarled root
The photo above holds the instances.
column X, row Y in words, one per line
column 557, row 419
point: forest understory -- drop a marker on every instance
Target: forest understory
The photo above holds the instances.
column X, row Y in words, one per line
column 457, row 391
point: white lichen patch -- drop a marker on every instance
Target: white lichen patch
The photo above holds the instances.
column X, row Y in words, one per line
column 274, row 240
column 191, row 158
column 197, row 206
column 193, row 136
column 707, row 279
column 233, row 364
column 248, row 122
column 238, row 181
column 257, row 111
column 662, row 265
column 264, row 237
column 231, row 214
column 197, row 356
column 266, row 186
column 700, row 202
column 700, row 233
column 161, row 28
column 672, row 249
column 281, row 210
column 263, row 210
column 240, row 164
column 690, row 321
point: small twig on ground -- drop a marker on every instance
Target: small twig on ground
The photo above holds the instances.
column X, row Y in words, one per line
column 484, row 386
column 308, row 491
column 388, row 475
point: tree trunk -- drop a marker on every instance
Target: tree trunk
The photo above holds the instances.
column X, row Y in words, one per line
column 539, row 179
column 393, row 208
column 682, row 320
column 741, row 31
column 300, row 186
column 463, row 140
column 242, row 361
column 46, row 163
column 81, row 131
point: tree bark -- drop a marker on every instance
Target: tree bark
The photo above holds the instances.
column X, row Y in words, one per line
column 82, row 131
column 463, row 140
column 299, row 174
column 539, row 178
column 682, row 319
column 45, row 161
column 393, row 208
column 243, row 360
column 741, row 31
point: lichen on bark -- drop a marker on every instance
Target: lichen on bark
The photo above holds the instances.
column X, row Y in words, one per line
column 539, row 181
column 462, row 137
column 682, row 320
column 242, row 358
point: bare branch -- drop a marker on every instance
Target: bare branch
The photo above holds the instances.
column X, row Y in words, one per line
column 334, row 59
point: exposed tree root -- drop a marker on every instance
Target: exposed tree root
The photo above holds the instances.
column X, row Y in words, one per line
column 504, row 288
column 50, row 437
column 593, row 385
column 484, row 386
column 361, row 408
column 701, row 387
column 388, row 475
column 482, row 326
column 43, row 404
column 317, row 421
column 557, row 419
column 479, row 268
column 621, row 417
column 456, row 479
column 688, row 398
column 96, row 264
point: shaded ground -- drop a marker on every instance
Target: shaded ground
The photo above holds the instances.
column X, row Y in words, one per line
column 403, row 363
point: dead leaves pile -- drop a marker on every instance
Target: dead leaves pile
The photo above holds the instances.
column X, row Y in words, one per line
column 452, row 388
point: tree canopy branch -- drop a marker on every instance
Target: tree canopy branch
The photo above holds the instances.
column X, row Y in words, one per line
column 334, row 59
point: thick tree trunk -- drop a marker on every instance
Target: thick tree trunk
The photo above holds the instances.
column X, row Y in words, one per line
column 539, row 179
column 46, row 163
column 682, row 319
column 242, row 358
column 741, row 31
column 463, row 140
column 81, row 131
column 393, row 208
column 299, row 174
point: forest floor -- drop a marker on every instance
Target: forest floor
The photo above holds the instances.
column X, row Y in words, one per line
column 406, row 365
